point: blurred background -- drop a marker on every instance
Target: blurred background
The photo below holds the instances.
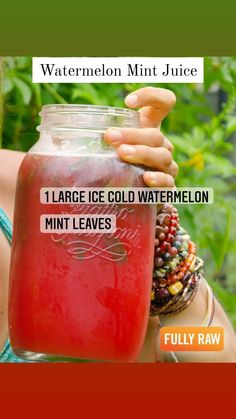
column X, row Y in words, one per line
column 202, row 127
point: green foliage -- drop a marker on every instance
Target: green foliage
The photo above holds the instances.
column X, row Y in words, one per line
column 202, row 131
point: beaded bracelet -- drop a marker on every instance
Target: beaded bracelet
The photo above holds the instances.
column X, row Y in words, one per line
column 177, row 269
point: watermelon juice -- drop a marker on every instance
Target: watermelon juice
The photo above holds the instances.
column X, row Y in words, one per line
column 79, row 296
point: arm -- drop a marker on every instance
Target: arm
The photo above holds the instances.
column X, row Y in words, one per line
column 193, row 316
column 9, row 163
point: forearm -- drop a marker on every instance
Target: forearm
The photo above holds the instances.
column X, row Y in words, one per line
column 9, row 164
column 193, row 315
column 180, row 295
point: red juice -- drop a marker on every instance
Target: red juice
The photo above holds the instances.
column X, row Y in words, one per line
column 79, row 296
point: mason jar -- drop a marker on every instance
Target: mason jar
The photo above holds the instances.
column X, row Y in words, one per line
column 79, row 296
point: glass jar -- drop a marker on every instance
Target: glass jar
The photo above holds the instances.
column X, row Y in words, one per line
column 79, row 296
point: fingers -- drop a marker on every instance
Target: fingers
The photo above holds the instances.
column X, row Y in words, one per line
column 150, row 117
column 173, row 169
column 156, row 103
column 151, row 96
column 148, row 136
column 156, row 158
column 158, row 179
column 147, row 146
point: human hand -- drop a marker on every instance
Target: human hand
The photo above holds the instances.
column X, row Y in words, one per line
column 148, row 146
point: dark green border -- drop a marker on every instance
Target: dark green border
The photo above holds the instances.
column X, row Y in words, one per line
column 120, row 27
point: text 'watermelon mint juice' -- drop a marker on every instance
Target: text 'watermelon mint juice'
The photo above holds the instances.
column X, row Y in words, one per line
column 79, row 296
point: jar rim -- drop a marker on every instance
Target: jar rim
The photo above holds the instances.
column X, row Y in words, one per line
column 87, row 108
column 71, row 116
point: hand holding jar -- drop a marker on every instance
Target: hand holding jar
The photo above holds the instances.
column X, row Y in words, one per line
column 148, row 146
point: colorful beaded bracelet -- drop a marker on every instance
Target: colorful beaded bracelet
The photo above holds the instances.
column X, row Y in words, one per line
column 176, row 267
